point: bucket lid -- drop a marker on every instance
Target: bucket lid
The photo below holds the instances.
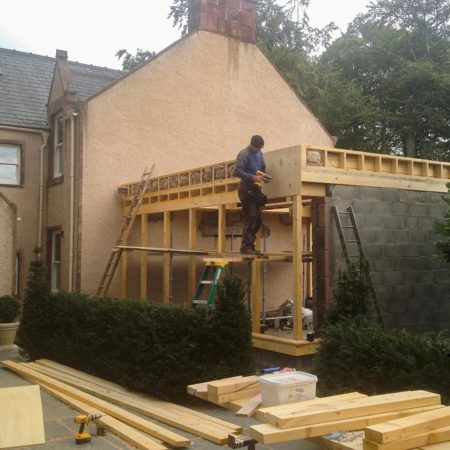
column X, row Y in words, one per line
column 289, row 378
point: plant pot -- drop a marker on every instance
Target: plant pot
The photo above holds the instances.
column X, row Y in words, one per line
column 8, row 333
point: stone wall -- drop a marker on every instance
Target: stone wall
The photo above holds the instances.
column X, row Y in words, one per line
column 396, row 226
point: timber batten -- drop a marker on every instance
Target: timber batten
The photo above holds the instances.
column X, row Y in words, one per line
column 299, row 174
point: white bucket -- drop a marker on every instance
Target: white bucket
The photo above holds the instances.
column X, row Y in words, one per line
column 287, row 387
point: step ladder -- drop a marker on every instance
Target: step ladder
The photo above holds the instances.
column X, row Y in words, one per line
column 353, row 238
column 138, row 192
column 210, row 278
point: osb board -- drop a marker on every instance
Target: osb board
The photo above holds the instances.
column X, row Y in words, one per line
column 284, row 166
column 21, row 419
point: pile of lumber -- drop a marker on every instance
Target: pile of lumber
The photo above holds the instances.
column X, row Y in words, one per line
column 240, row 394
column 397, row 421
column 90, row 395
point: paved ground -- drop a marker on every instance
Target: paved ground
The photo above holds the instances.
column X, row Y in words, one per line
column 60, row 428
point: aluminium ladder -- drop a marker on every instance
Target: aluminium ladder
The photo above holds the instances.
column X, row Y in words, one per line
column 210, row 277
column 354, row 238
column 138, row 191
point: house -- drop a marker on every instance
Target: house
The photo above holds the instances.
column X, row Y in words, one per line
column 195, row 104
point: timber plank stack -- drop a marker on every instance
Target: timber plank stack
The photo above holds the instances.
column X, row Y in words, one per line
column 89, row 395
column 397, row 421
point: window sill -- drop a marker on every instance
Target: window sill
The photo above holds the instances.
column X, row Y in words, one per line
column 54, row 181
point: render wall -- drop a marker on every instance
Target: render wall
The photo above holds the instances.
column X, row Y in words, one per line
column 197, row 103
column 25, row 198
column 412, row 286
column 7, row 246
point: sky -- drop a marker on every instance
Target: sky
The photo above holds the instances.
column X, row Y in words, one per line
column 92, row 31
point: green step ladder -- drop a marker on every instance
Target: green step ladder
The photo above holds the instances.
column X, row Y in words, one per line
column 210, row 278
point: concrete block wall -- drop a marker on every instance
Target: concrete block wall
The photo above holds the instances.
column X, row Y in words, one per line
column 396, row 226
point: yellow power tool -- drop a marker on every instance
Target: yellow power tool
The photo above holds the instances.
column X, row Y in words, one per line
column 265, row 177
column 83, row 436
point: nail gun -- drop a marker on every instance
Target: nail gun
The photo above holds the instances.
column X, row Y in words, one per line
column 265, row 177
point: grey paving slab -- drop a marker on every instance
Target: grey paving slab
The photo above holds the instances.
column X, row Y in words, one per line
column 60, row 429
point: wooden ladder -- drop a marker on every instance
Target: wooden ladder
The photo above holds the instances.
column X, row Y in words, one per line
column 138, row 192
column 354, row 238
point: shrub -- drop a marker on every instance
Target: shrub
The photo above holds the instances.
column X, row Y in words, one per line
column 153, row 348
column 358, row 355
column 353, row 293
column 9, row 308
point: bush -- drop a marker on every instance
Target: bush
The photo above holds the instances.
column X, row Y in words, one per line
column 153, row 348
column 9, row 308
column 358, row 355
column 353, row 293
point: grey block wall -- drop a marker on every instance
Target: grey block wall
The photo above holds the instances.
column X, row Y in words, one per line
column 396, row 226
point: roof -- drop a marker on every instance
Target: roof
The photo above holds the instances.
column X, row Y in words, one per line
column 25, row 81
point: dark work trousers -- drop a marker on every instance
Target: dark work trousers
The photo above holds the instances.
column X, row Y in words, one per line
column 251, row 215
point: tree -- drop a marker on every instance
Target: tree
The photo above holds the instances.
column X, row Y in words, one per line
column 131, row 62
column 399, row 55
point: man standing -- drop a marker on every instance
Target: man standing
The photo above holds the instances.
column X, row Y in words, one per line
column 249, row 161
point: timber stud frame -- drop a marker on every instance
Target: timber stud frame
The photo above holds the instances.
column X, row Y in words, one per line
column 299, row 173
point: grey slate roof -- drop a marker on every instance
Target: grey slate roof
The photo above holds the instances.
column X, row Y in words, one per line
column 25, row 80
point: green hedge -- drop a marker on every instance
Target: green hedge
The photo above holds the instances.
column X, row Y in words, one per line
column 157, row 349
column 358, row 355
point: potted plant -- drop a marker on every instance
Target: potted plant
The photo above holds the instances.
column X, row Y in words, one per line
column 9, row 312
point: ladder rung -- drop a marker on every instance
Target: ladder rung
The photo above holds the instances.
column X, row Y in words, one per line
column 352, row 240
column 207, row 282
column 348, row 226
column 200, row 302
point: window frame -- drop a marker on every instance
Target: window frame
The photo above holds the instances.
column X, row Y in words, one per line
column 54, row 264
column 58, row 147
column 19, row 166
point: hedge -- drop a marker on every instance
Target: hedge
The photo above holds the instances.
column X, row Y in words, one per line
column 156, row 349
column 358, row 355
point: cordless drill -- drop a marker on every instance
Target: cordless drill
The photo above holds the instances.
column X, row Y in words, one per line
column 265, row 177
column 82, row 437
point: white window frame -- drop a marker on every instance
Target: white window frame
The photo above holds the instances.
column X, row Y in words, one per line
column 58, row 143
column 17, row 164
column 55, row 261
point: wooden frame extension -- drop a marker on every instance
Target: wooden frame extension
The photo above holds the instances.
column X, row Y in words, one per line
column 299, row 173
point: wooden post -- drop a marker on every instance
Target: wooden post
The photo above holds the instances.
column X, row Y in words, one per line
column 256, row 296
column 297, row 265
column 166, row 257
column 221, row 228
column 144, row 255
column 192, row 282
column 309, row 278
column 124, row 270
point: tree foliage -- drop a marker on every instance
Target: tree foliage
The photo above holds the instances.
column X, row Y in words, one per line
column 398, row 55
column 131, row 62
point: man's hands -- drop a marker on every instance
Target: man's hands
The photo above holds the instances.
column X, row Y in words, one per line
column 257, row 179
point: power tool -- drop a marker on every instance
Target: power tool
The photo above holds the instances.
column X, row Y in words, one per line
column 82, row 437
column 265, row 177
column 235, row 441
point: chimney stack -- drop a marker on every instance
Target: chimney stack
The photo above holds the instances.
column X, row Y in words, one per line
column 235, row 18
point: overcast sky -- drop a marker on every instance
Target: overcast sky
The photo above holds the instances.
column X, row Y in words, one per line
column 93, row 30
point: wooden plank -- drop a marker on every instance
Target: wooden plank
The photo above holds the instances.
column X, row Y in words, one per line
column 21, row 419
column 232, row 385
column 120, row 429
column 221, row 227
column 224, row 398
column 192, row 275
column 270, row 434
column 167, row 239
column 102, row 405
column 261, row 413
column 408, row 426
column 347, row 409
column 180, row 417
column 284, row 345
column 250, row 407
column 256, row 296
column 144, row 258
column 432, row 437
column 297, row 266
